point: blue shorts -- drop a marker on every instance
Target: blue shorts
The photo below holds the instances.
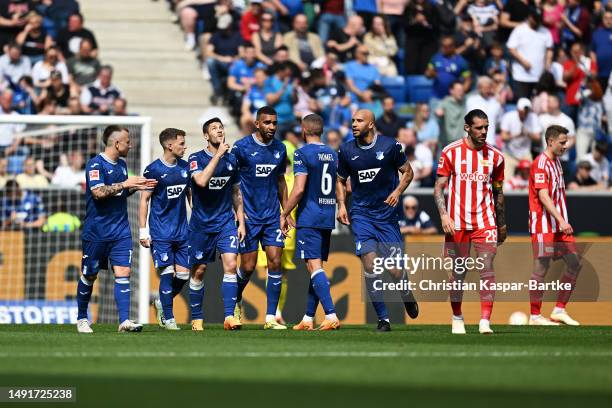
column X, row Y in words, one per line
column 168, row 253
column 204, row 246
column 267, row 234
column 96, row 255
column 313, row 243
column 384, row 238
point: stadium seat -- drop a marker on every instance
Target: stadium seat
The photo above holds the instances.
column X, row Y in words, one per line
column 419, row 88
column 395, row 88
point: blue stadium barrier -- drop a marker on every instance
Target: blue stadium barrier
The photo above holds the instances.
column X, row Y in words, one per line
column 395, row 87
column 419, row 88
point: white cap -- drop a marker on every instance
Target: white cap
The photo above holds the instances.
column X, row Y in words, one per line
column 523, row 103
column 224, row 21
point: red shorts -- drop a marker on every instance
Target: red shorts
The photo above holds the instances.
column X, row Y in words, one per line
column 552, row 244
column 459, row 244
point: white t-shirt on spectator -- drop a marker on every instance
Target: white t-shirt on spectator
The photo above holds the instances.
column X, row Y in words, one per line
column 423, row 158
column 600, row 171
column 483, row 13
column 547, row 120
column 9, row 130
column 64, row 176
column 532, row 46
column 489, row 106
column 14, row 71
column 40, row 73
column 520, row 144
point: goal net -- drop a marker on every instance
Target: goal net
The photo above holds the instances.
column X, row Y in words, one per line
column 42, row 203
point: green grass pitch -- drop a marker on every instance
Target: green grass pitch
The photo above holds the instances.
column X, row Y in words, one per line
column 415, row 366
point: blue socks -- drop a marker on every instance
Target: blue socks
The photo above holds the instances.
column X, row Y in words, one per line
column 122, row 298
column 273, row 290
column 312, row 301
column 242, row 278
column 320, row 285
column 376, row 296
column 165, row 292
column 196, row 298
column 229, row 288
column 84, row 289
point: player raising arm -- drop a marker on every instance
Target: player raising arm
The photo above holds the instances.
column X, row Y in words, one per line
column 212, row 228
column 551, row 234
column 106, row 230
column 474, row 173
column 167, row 231
column 315, row 167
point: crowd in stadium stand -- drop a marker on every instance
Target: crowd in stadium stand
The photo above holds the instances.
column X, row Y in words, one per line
column 420, row 65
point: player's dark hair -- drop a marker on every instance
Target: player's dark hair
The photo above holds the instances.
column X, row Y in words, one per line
column 474, row 113
column 108, row 132
column 265, row 110
column 209, row 122
column 312, row 125
column 169, row 134
column 554, row 132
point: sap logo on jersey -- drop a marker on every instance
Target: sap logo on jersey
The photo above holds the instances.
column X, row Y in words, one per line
column 175, row 191
column 264, row 170
column 474, row 177
column 365, row 176
column 217, row 183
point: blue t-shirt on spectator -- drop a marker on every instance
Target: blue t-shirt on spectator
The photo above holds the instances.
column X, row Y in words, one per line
column 448, row 70
column 29, row 208
column 257, row 98
column 284, row 106
column 601, row 44
column 226, row 45
column 362, row 75
column 240, row 69
column 368, row 6
column 421, row 220
column 431, row 130
column 293, row 6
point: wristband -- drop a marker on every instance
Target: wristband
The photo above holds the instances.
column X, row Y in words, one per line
column 144, row 234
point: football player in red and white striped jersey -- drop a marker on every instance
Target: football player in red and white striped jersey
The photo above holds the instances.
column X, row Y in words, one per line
column 551, row 234
column 474, row 213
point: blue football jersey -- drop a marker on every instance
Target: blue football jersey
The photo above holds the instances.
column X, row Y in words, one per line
column 212, row 205
column 260, row 167
column 168, row 214
column 373, row 170
column 317, row 207
column 105, row 220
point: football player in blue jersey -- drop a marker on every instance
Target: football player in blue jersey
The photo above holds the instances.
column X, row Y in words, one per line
column 106, row 230
column 215, row 189
column 167, row 231
column 314, row 166
column 372, row 162
column 262, row 161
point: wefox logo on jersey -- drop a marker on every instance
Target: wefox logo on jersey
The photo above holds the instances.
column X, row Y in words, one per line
column 473, row 177
column 217, row 183
column 264, row 170
column 365, row 176
column 175, row 191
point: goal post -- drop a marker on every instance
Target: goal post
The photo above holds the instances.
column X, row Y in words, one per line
column 38, row 264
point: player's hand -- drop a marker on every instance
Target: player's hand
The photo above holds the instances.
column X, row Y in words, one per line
column 284, row 225
column 502, row 234
column 393, row 199
column 447, row 225
column 139, row 183
column 223, row 148
column 566, row 228
column 343, row 216
column 241, row 232
column 146, row 243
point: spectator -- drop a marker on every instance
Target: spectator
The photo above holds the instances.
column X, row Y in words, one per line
column 344, row 42
column 513, row 14
column 25, row 98
column 608, row 104
column 519, row 129
column 74, row 106
column 447, row 67
column 425, row 126
column 485, row 18
column 328, row 64
column 497, row 62
column 366, row 9
column 69, row 173
column 56, row 94
column 255, row 97
column 9, row 132
column 69, row 39
column 57, row 12
column 13, row 19
column 422, row 31
column 280, row 94
column 552, row 10
column 583, row 181
column 451, row 111
column 544, row 89
column 83, row 67
column 530, row 45
column 305, row 103
column 331, row 18
column 267, row 39
column 382, row 46
column 98, row 97
column 389, row 123
column 223, row 49
column 250, row 22
column 333, row 139
column 520, row 180
column 286, row 10
column 415, row 221
column 419, row 156
column 41, row 71
column 485, row 100
column 190, row 11
column 34, row 39
column 590, row 115
column 503, row 91
column 30, row 178
column 554, row 116
column 281, row 55
column 575, row 72
column 4, row 176
column 304, row 47
column 601, row 166
column 469, row 44
column 361, row 75
column 21, row 209
column 576, row 24
column 120, row 107
column 393, row 10
column 601, row 49
column 14, row 65
column 241, row 76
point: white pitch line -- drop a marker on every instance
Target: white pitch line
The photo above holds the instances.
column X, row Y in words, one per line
column 298, row 354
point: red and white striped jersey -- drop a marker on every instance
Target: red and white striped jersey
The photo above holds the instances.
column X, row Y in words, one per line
column 470, row 185
column 546, row 173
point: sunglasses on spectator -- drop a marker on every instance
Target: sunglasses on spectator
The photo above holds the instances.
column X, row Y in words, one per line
column 410, row 207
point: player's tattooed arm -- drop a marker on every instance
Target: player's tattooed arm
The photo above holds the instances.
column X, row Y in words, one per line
column 447, row 224
column 135, row 183
column 102, row 192
column 239, row 209
column 500, row 210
